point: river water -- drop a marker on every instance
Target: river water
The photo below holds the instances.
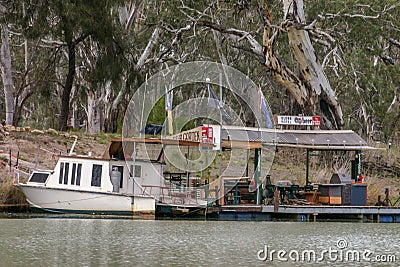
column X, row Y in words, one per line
column 117, row 242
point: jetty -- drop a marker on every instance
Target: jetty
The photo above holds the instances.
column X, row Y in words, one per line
column 343, row 198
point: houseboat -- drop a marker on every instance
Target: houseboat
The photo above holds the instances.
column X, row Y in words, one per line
column 124, row 181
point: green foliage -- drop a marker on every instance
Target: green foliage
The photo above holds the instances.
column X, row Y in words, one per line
column 361, row 30
column 158, row 113
column 355, row 59
column 4, row 158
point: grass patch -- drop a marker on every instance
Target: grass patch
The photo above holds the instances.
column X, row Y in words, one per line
column 3, row 158
column 23, row 158
column 10, row 194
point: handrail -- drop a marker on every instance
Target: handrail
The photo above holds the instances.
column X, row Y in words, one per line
column 177, row 197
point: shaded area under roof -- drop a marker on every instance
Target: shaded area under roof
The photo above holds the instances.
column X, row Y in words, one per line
column 309, row 139
column 121, row 146
column 153, row 129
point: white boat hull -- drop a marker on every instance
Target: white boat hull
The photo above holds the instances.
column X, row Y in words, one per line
column 78, row 201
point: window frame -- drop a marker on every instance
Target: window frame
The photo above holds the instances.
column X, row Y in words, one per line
column 97, row 173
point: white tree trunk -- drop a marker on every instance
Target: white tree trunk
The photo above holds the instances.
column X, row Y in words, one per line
column 152, row 42
column 8, row 84
column 74, row 117
column 395, row 105
column 129, row 14
column 310, row 69
column 93, row 113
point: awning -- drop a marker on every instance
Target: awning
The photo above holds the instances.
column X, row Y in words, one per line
column 307, row 139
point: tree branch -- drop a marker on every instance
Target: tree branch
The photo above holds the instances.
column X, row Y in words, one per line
column 152, row 42
column 236, row 35
column 395, row 42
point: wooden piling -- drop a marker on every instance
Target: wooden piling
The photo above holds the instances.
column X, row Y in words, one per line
column 315, row 216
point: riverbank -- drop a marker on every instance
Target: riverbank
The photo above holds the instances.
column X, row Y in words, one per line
column 37, row 149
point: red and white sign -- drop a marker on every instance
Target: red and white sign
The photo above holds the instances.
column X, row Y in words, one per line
column 211, row 134
column 299, row 120
column 207, row 135
column 316, row 120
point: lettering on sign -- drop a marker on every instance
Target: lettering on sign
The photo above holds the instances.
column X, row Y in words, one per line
column 190, row 136
column 204, row 134
column 298, row 120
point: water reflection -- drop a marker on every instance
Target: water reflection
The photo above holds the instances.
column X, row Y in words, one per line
column 98, row 242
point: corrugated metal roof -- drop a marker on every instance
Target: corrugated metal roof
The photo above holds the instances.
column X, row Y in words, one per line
column 318, row 139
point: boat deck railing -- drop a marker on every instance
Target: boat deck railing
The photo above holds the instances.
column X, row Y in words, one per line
column 177, row 195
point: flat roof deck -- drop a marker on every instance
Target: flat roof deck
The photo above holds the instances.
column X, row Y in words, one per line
column 305, row 139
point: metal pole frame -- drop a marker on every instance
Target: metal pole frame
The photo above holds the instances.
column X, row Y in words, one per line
column 307, row 166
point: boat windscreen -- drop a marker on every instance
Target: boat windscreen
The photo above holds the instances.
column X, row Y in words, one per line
column 39, row 177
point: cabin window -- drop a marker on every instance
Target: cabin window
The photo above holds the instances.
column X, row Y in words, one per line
column 96, row 175
column 60, row 178
column 121, row 171
column 78, row 174
column 73, row 173
column 66, row 171
column 39, row 177
column 136, row 170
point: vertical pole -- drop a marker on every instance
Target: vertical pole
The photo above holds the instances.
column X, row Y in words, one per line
column 9, row 160
column 187, row 166
column 236, row 193
column 222, row 185
column 307, row 166
column 220, row 111
column 17, row 163
column 259, row 188
column 133, row 167
column 257, row 171
column 247, row 163
column 220, row 87
column 387, row 196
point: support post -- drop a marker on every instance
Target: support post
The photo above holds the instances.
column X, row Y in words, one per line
column 359, row 162
column 247, row 163
column 236, row 193
column 387, row 197
column 257, row 174
column 307, row 166
column 187, row 166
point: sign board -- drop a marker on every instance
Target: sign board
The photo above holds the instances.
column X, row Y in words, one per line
column 204, row 134
column 191, row 135
column 298, row 120
column 211, row 134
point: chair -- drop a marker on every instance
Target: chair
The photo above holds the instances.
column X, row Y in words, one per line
column 269, row 193
column 294, row 191
column 308, row 188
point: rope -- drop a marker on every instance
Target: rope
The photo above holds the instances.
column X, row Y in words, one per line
column 77, row 200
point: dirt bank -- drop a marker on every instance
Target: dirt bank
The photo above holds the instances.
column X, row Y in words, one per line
column 40, row 150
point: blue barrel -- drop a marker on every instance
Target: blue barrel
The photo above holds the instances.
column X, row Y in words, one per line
column 302, row 218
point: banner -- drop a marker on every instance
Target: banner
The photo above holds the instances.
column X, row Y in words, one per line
column 298, row 120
